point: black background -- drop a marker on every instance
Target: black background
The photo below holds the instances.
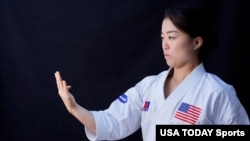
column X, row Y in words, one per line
column 101, row 47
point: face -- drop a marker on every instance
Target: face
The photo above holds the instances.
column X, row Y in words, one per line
column 178, row 46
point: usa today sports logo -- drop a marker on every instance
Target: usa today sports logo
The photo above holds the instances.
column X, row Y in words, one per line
column 213, row 131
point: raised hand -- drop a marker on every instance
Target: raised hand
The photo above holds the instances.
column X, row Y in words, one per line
column 63, row 91
column 82, row 114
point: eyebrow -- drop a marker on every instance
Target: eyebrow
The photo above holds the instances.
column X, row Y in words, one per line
column 171, row 31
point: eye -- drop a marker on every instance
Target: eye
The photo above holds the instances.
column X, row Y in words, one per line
column 162, row 37
column 171, row 38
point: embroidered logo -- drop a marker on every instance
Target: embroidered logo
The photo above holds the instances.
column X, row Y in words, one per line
column 188, row 113
column 123, row 98
column 145, row 105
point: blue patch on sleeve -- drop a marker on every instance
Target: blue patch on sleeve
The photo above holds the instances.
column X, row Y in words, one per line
column 123, row 98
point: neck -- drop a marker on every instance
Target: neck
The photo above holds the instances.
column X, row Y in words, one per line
column 180, row 73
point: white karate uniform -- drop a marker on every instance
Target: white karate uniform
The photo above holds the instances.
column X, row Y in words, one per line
column 211, row 100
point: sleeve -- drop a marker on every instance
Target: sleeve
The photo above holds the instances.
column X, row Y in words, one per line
column 230, row 110
column 120, row 119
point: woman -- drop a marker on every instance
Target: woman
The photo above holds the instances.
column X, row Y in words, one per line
column 167, row 97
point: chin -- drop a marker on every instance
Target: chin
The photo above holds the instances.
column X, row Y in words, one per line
column 169, row 64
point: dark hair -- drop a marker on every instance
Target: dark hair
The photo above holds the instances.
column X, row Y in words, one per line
column 193, row 21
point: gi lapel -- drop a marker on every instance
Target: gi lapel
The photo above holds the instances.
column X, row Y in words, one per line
column 167, row 109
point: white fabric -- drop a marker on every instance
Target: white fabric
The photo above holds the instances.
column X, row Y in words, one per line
column 217, row 101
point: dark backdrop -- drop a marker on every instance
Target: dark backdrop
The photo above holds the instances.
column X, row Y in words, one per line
column 101, row 48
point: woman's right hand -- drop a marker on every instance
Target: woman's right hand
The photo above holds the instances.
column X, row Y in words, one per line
column 63, row 91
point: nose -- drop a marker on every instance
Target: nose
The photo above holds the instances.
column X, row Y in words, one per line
column 164, row 44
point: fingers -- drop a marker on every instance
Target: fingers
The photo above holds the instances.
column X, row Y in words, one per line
column 63, row 92
column 69, row 87
column 61, row 84
column 65, row 88
column 58, row 80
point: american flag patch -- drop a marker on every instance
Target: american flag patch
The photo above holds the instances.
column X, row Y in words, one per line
column 188, row 113
column 145, row 106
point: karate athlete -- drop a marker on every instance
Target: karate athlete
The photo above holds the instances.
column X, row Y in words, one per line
column 184, row 94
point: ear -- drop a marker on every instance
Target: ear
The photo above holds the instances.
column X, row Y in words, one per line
column 197, row 42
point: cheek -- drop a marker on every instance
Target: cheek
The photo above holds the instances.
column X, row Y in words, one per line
column 183, row 51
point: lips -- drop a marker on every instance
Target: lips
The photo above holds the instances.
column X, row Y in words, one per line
column 165, row 54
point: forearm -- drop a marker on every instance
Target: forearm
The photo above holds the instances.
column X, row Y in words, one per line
column 84, row 116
